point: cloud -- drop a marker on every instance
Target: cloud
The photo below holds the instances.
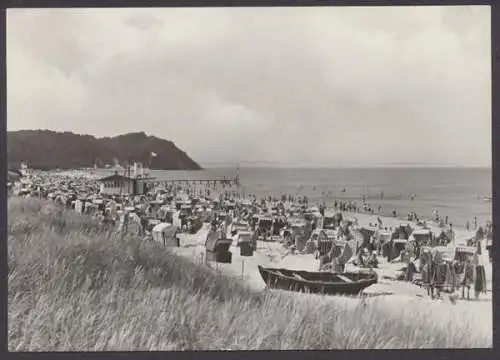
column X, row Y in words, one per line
column 330, row 86
column 40, row 95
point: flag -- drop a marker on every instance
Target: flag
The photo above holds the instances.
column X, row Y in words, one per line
column 153, row 154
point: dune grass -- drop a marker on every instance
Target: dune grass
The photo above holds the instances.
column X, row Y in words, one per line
column 76, row 287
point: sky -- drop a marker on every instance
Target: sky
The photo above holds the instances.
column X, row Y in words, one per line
column 322, row 86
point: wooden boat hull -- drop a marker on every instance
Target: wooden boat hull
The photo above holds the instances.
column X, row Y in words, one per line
column 317, row 282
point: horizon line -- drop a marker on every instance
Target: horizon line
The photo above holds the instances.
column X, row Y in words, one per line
column 388, row 166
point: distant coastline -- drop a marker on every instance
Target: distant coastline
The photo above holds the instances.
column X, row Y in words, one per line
column 50, row 150
column 366, row 167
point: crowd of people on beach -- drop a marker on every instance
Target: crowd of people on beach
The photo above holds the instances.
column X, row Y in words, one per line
column 80, row 191
column 179, row 205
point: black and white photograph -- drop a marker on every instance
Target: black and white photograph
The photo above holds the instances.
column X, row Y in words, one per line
column 249, row 178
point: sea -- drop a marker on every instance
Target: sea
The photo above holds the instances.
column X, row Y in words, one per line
column 458, row 193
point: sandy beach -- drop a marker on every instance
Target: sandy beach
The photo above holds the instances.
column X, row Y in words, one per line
column 272, row 254
column 409, row 299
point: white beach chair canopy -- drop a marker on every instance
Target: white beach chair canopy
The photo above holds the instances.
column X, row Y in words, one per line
column 167, row 228
column 329, row 214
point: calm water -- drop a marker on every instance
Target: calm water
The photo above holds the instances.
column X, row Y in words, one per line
column 458, row 193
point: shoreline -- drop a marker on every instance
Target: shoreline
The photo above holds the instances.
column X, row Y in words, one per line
column 273, row 251
column 460, row 232
column 406, row 203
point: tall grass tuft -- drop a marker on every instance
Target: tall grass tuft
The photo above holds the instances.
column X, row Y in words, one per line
column 74, row 286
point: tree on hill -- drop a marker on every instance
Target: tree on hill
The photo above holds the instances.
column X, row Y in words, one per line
column 45, row 149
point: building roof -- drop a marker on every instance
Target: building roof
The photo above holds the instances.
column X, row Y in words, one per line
column 13, row 175
column 115, row 177
column 15, row 171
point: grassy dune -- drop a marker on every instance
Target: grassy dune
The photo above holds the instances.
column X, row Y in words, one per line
column 76, row 287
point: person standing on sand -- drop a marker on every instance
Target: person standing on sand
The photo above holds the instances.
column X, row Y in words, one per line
column 478, row 245
column 442, row 238
column 475, row 222
column 451, row 235
column 254, row 240
column 467, row 225
column 480, row 234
